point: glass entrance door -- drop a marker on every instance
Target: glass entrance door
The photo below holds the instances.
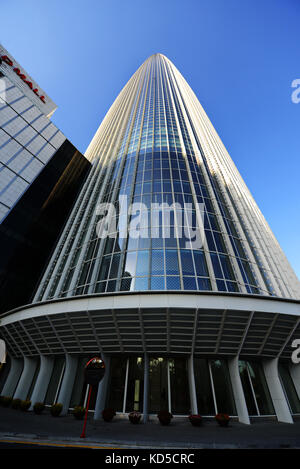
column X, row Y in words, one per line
column 158, row 385
column 168, row 385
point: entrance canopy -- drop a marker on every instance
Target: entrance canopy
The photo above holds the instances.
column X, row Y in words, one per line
column 156, row 323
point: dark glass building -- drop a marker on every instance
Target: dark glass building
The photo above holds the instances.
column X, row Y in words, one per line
column 29, row 232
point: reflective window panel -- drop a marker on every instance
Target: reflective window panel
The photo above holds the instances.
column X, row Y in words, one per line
column 222, row 387
column 135, row 385
column 260, row 387
column 204, row 393
column 36, row 373
column 247, row 388
column 289, row 387
column 158, row 384
column 55, row 381
column 255, row 388
column 117, row 383
column 180, row 398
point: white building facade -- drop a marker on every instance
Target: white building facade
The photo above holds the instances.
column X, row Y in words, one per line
column 28, row 138
column 187, row 297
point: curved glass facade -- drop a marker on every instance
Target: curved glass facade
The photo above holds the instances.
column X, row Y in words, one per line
column 161, row 176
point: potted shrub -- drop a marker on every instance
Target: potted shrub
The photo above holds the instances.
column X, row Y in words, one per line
column 195, row 419
column 6, row 401
column 38, row 407
column 108, row 414
column 222, row 419
column 134, row 417
column 164, row 417
column 79, row 412
column 24, row 405
column 16, row 403
column 56, row 409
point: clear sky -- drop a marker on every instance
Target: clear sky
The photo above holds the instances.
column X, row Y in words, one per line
column 239, row 56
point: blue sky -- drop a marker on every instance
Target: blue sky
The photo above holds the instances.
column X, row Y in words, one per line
column 239, row 56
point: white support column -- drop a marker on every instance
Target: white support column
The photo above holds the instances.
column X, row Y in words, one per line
column 192, row 387
column 238, row 392
column 13, row 377
column 25, row 381
column 295, row 375
column 42, row 382
column 277, row 394
column 66, row 389
column 102, row 390
column 146, row 389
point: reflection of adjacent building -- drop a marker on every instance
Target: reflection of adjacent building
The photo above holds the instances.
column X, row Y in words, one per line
column 188, row 328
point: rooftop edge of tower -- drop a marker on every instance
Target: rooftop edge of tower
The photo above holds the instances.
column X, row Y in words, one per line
column 156, row 55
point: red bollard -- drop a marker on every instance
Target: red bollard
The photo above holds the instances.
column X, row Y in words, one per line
column 86, row 413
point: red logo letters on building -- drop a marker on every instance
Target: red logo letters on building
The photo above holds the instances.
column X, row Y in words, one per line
column 22, row 76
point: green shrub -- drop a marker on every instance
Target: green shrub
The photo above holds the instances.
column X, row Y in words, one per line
column 79, row 412
column 16, row 403
column 5, row 401
column 56, row 409
column 24, row 405
column 38, row 407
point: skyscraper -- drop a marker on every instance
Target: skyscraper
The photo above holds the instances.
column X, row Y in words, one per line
column 166, row 267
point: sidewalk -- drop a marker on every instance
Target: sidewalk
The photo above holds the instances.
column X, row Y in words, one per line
column 17, row 425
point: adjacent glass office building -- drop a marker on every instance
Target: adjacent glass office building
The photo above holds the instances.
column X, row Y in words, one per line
column 41, row 173
column 167, row 268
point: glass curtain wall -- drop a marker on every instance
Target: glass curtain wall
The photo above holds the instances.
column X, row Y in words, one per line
column 179, row 388
column 213, row 387
column 289, row 388
column 158, row 385
column 168, row 385
column 255, row 388
column 36, row 373
column 205, row 399
column 126, row 389
column 135, row 385
column 55, row 381
column 118, row 369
